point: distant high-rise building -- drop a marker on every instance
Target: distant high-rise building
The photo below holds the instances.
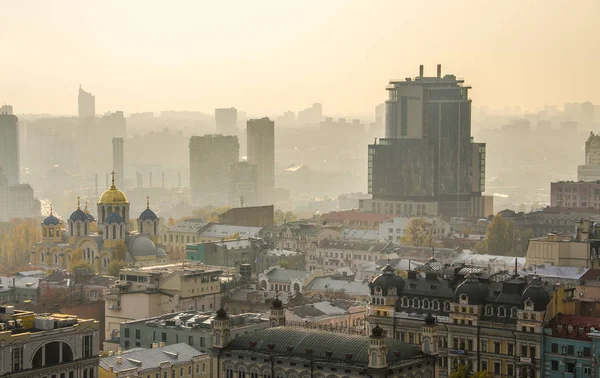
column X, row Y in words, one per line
column 210, row 158
column 87, row 104
column 226, row 120
column 261, row 152
column 243, row 184
column 590, row 171
column 428, row 163
column 6, row 109
column 311, row 115
column 118, row 164
column 113, row 125
column 9, row 147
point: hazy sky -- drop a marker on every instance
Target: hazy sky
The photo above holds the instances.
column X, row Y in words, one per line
column 269, row 56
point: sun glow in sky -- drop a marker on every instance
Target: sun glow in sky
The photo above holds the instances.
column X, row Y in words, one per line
column 265, row 57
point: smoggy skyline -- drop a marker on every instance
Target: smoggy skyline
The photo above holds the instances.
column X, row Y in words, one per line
column 269, row 56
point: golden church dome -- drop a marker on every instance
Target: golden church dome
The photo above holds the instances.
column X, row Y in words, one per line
column 113, row 196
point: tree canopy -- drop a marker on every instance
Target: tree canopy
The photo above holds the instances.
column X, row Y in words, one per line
column 17, row 238
column 417, row 233
column 504, row 238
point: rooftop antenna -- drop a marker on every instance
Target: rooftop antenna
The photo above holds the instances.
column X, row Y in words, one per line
column 78, row 203
column 51, row 209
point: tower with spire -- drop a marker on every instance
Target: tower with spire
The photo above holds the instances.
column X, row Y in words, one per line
column 148, row 223
column 277, row 314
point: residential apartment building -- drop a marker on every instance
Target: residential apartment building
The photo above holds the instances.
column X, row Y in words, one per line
column 486, row 322
column 298, row 235
column 572, row 194
column 43, row 345
column 226, row 121
column 86, row 104
column 243, row 185
column 333, row 254
column 191, row 327
column 155, row 290
column 172, row 361
column 210, row 158
column 355, row 219
column 179, row 235
column 261, row 153
column 569, row 350
column 9, row 147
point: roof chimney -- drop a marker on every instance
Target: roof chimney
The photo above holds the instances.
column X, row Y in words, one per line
column 421, row 70
column 119, row 359
column 439, row 71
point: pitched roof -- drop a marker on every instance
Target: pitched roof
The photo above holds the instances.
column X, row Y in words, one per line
column 285, row 275
column 144, row 359
column 320, row 343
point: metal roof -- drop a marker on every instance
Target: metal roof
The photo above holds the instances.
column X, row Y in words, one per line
column 144, row 359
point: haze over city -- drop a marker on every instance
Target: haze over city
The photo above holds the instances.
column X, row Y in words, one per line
column 271, row 56
column 280, row 189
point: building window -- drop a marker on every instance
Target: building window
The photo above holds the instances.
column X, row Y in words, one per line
column 587, row 370
column 484, row 345
column 17, row 358
column 510, row 349
column 554, row 348
column 587, row 352
column 126, row 332
column 87, row 346
column 510, row 370
column 137, row 334
column 484, row 366
column 191, row 340
column 497, row 368
column 164, row 337
column 435, row 304
column 513, row 312
column 489, row 310
column 415, row 303
column 497, row 347
column 570, row 367
column 501, row 312
column 570, row 350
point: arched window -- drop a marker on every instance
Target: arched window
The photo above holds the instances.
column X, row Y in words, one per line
column 415, row 302
column 155, row 227
column 45, row 232
column 404, row 302
column 501, row 312
column 425, row 304
column 446, row 306
column 426, row 346
column 374, row 358
column 86, row 228
column 71, row 229
column 51, row 231
column 114, row 231
column 489, row 310
column 78, row 229
column 121, row 232
column 218, row 338
column 55, row 259
column 435, row 304
column 513, row 312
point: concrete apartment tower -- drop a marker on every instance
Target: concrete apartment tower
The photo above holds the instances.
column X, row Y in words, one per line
column 261, row 152
column 210, row 159
column 226, row 120
column 86, row 104
column 9, row 146
column 118, row 163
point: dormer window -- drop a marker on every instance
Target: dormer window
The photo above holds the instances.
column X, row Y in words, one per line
column 447, row 306
column 513, row 312
column 391, row 291
column 377, row 290
column 570, row 328
column 435, row 304
column 501, row 312
column 529, row 305
column 489, row 310
column 425, row 304
column 415, row 302
column 464, row 299
column 404, row 302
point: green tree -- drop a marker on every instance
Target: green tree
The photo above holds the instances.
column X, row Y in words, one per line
column 281, row 217
column 77, row 262
column 417, row 233
column 465, row 372
column 504, row 238
column 114, row 267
